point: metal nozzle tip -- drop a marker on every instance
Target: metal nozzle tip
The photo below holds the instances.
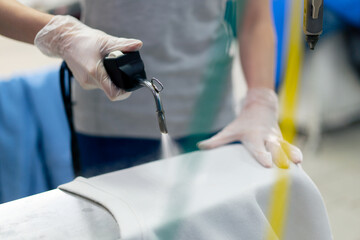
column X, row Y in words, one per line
column 162, row 122
column 312, row 46
column 312, row 40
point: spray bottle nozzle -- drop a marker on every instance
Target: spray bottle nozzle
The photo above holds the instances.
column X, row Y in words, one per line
column 155, row 86
column 127, row 71
column 313, row 21
column 162, row 122
column 158, row 87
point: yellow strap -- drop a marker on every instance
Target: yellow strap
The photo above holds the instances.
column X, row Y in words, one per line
column 289, row 92
column 278, row 207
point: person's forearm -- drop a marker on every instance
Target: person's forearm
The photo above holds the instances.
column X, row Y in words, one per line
column 20, row 22
column 257, row 45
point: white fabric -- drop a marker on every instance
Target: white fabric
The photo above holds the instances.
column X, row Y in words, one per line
column 218, row 194
column 329, row 96
column 183, row 43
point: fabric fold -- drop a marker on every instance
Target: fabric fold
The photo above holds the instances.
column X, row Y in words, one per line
column 217, row 194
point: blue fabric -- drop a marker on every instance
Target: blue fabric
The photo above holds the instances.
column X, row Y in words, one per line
column 332, row 23
column 280, row 9
column 100, row 155
column 349, row 10
column 34, row 136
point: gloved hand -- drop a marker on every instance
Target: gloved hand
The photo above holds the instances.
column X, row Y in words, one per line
column 83, row 49
column 257, row 128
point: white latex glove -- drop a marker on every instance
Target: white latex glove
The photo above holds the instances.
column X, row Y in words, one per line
column 257, row 128
column 83, row 49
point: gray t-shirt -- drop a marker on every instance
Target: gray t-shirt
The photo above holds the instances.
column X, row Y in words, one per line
column 186, row 46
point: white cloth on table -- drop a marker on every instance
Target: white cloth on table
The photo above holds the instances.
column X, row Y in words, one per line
column 218, row 194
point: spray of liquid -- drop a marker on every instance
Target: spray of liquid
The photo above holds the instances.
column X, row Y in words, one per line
column 169, row 147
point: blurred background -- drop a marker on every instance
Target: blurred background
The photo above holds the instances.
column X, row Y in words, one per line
column 327, row 114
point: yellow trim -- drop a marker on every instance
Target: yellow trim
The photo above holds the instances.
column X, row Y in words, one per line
column 278, row 206
column 289, row 93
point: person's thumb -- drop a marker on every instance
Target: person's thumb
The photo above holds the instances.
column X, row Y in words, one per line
column 121, row 44
column 132, row 45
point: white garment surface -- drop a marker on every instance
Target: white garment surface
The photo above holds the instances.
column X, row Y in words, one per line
column 217, row 194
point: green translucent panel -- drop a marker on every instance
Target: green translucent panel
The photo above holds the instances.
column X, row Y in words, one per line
column 215, row 86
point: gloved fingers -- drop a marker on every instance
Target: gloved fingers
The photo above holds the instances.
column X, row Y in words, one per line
column 256, row 146
column 112, row 92
column 89, row 83
column 220, row 139
column 86, row 81
column 278, row 154
column 110, row 44
column 292, row 152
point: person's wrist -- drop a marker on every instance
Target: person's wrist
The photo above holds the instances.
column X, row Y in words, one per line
column 50, row 40
column 264, row 96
